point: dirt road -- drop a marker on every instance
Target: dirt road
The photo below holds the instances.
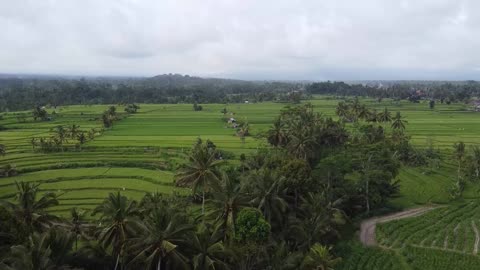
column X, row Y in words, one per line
column 367, row 227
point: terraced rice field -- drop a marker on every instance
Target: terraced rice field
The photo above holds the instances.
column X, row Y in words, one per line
column 442, row 239
column 139, row 154
column 453, row 228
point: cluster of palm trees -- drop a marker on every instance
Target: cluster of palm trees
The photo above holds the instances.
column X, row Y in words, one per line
column 157, row 233
column 306, row 134
column 131, row 108
column 62, row 135
column 353, row 111
column 109, row 116
column 302, row 223
column 39, row 113
column 468, row 166
column 7, row 169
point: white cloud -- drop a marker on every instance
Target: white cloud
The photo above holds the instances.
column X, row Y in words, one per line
column 280, row 39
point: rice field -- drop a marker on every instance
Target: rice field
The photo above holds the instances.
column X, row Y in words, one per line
column 140, row 153
column 445, row 238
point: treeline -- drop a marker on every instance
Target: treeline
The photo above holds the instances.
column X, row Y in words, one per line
column 283, row 207
column 445, row 92
column 19, row 94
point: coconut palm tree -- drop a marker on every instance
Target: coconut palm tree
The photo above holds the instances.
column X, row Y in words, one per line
column 398, row 122
column 459, row 151
column 302, row 144
column 385, row 116
column 363, row 112
column 317, row 218
column 342, row 110
column 158, row 241
column 319, row 258
column 74, row 131
column 29, row 209
column 81, row 137
column 208, row 249
column 78, row 225
column 3, row 150
column 49, row 250
column 281, row 258
column 277, row 135
column 268, row 194
column 61, row 133
column 8, row 170
column 34, row 255
column 226, row 203
column 119, row 221
column 373, row 116
column 201, row 172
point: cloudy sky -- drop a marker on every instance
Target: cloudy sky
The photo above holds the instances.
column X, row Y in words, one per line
column 247, row 39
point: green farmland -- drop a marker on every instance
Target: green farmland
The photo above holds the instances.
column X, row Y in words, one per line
column 139, row 153
column 142, row 150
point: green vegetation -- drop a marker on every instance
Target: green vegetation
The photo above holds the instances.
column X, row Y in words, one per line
column 276, row 185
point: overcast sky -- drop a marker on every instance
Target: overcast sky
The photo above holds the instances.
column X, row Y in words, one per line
column 247, row 39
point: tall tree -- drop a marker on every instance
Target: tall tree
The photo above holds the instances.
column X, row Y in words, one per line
column 3, row 150
column 74, row 131
column 226, row 203
column 459, row 151
column 78, row 225
column 29, row 209
column 119, row 221
column 385, row 116
column 268, row 194
column 158, row 243
column 398, row 122
column 201, row 171
column 209, row 252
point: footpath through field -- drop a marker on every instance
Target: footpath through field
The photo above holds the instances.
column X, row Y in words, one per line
column 367, row 227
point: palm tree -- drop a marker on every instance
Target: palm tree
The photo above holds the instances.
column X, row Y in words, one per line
column 342, row 110
column 385, row 116
column 398, row 122
column 78, row 225
column 226, row 203
column 8, row 170
column 74, row 131
column 373, row 116
column 318, row 218
column 268, row 194
column 34, row 255
column 119, row 216
column 3, row 150
column 459, row 150
column 210, row 253
column 319, row 258
column 277, row 135
column 282, row 259
column 29, row 210
column 302, row 144
column 81, row 138
column 49, row 250
column 158, row 241
column 61, row 133
column 33, row 141
column 363, row 112
column 201, row 171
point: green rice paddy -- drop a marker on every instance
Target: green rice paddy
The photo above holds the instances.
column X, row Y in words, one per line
column 140, row 152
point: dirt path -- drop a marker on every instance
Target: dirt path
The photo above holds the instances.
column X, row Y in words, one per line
column 367, row 227
column 477, row 238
